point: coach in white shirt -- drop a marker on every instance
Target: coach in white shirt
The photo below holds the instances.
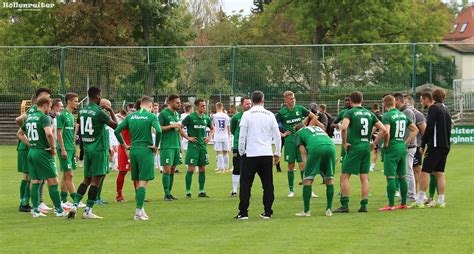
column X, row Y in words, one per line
column 258, row 129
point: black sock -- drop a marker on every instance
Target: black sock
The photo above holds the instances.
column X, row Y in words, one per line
column 92, row 194
column 82, row 189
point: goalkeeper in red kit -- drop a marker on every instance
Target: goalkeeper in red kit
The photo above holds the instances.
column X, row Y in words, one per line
column 123, row 166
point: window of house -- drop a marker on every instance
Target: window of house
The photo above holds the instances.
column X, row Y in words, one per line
column 463, row 28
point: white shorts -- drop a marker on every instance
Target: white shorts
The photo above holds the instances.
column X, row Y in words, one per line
column 220, row 146
column 184, row 144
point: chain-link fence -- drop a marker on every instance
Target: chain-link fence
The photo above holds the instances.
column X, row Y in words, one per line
column 316, row 73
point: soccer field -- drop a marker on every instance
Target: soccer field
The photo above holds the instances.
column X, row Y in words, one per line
column 207, row 225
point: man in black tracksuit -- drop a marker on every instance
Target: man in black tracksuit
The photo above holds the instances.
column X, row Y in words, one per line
column 437, row 139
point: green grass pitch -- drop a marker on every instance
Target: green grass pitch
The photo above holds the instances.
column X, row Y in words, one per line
column 200, row 225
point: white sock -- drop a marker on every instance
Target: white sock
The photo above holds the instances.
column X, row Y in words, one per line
column 421, row 196
column 372, row 166
column 440, row 199
column 220, row 161
column 115, row 160
column 235, row 182
column 138, row 211
column 226, row 161
column 157, row 161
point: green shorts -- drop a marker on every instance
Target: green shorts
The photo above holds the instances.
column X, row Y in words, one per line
column 22, row 161
column 96, row 163
column 69, row 163
column 196, row 156
column 356, row 161
column 292, row 153
column 394, row 163
column 142, row 162
column 170, row 156
column 43, row 164
column 321, row 161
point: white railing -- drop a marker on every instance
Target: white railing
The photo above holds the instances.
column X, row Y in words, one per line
column 463, row 94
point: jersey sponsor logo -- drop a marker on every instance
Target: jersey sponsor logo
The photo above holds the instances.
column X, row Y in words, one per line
column 296, row 120
column 362, row 113
column 87, row 111
column 88, row 140
column 260, row 111
column 135, row 117
column 196, row 126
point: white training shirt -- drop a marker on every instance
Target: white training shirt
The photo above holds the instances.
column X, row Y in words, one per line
column 221, row 123
column 258, row 130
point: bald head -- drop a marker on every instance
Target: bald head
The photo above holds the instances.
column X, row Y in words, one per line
column 105, row 103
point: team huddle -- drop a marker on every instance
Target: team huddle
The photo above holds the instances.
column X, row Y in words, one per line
column 401, row 134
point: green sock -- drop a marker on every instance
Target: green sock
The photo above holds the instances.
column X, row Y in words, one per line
column 403, row 189
column 363, row 203
column 302, row 175
column 99, row 189
column 35, row 195
column 27, row 193
column 77, row 199
column 291, row 180
column 433, row 185
column 72, row 195
column 329, row 196
column 63, row 196
column 391, row 191
column 306, row 197
column 141, row 192
column 202, row 181
column 171, row 181
column 90, row 203
column 345, row 202
column 22, row 192
column 54, row 195
column 397, row 186
column 166, row 183
column 189, row 180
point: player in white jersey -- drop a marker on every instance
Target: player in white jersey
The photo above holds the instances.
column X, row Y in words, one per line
column 221, row 123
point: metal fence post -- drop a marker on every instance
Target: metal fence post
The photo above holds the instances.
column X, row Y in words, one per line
column 61, row 75
column 413, row 79
column 234, row 71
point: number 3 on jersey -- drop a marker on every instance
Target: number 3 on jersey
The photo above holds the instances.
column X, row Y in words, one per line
column 365, row 126
column 86, row 126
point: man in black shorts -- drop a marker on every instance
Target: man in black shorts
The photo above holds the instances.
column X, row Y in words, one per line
column 437, row 139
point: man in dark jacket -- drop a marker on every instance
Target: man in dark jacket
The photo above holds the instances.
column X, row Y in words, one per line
column 437, row 139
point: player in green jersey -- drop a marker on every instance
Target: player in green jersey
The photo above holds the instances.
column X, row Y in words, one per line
column 37, row 133
column 245, row 104
column 356, row 132
column 92, row 120
column 291, row 115
column 395, row 145
column 22, row 153
column 142, row 149
column 196, row 124
column 66, row 146
column 170, row 150
column 319, row 157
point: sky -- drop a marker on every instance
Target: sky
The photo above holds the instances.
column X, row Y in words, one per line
column 236, row 5
column 246, row 5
